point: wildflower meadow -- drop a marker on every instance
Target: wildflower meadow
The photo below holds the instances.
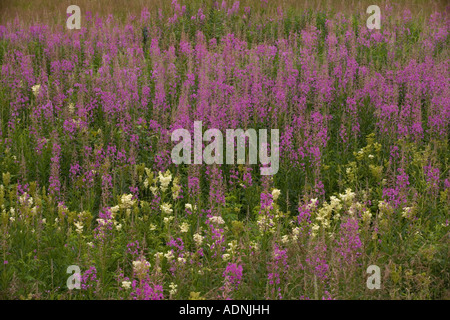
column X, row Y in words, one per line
column 93, row 205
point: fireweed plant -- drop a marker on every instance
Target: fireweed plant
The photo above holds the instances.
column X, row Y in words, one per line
column 87, row 178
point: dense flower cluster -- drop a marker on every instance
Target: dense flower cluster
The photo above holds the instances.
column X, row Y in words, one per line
column 87, row 176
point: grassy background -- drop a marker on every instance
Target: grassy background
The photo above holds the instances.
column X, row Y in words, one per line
column 53, row 12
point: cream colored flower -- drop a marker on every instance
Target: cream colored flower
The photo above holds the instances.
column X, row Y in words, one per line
column 114, row 210
column 232, row 246
column 79, row 226
column 141, row 267
column 275, row 194
column 335, row 203
column 164, row 179
column 168, row 219
column 127, row 201
column 159, row 255
column 315, row 229
column 26, row 200
column 166, row 208
column 217, row 219
column 348, row 196
column 35, row 89
column 71, row 108
column 126, row 284
column 184, row 227
column 407, row 212
column 366, row 215
column 254, row 245
column 198, row 239
column 173, row 288
column 169, row 255
column 176, row 188
column 312, row 204
column 153, row 189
